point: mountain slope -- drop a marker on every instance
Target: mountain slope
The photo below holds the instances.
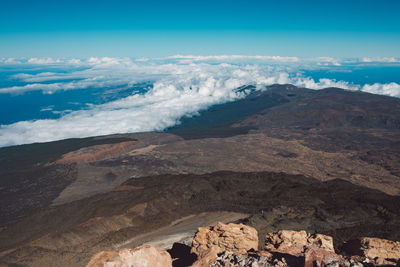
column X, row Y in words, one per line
column 326, row 134
column 70, row 233
column 296, row 158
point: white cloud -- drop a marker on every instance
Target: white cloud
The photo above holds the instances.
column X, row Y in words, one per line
column 52, row 87
column 234, row 57
column 187, row 59
column 103, row 61
column 48, row 108
column 318, row 61
column 326, row 61
column 179, row 89
column 11, row 61
column 170, row 98
column 391, row 89
column 380, row 59
column 74, row 61
column 43, row 61
column 144, row 59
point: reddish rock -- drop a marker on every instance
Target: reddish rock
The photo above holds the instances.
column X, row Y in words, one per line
column 144, row 256
column 207, row 257
column 296, row 242
column 265, row 254
column 100, row 258
column 236, row 238
column 382, row 251
column 322, row 256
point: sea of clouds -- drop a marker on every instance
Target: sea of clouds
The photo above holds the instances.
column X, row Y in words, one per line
column 182, row 85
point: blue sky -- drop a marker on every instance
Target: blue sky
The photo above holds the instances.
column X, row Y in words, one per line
column 58, row 28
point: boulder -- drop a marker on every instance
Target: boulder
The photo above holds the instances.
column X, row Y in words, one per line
column 207, row 257
column 323, row 257
column 381, row 251
column 237, row 238
column 144, row 256
column 296, row 242
column 228, row 259
column 100, row 258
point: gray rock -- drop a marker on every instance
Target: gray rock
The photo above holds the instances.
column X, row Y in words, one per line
column 228, row 259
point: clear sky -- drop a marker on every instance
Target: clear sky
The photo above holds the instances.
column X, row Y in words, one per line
column 153, row 28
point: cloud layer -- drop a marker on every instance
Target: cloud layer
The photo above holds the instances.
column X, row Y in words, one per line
column 179, row 88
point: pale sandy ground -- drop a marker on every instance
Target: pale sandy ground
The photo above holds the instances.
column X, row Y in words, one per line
column 181, row 231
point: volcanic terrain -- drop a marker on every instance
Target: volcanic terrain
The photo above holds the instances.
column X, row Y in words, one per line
column 281, row 158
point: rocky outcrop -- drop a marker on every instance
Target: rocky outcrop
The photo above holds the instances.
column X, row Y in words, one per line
column 297, row 242
column 228, row 258
column 322, row 256
column 380, row 251
column 218, row 246
column 210, row 241
column 227, row 245
column 144, row 256
column 102, row 257
column 207, row 257
column 237, row 238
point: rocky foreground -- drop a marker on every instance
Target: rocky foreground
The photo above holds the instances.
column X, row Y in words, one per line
column 237, row 245
column 145, row 210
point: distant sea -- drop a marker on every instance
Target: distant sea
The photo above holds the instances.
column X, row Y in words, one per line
column 34, row 105
column 359, row 74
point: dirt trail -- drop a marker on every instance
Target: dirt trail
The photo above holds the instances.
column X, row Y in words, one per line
column 182, row 230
